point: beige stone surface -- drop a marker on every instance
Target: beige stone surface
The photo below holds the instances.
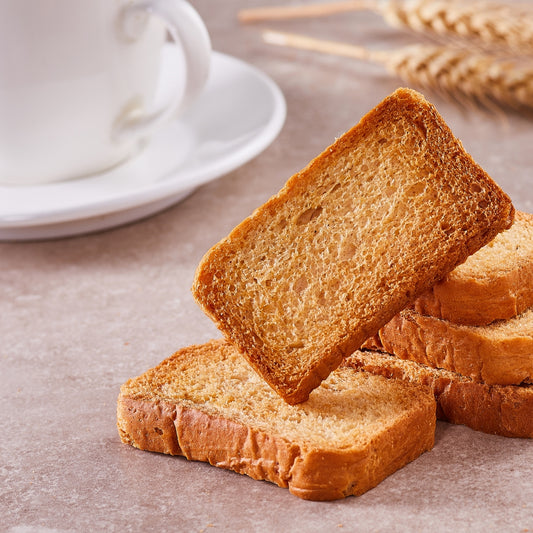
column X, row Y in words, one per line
column 81, row 315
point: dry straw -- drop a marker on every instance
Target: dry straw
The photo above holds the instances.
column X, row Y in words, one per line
column 506, row 26
column 468, row 77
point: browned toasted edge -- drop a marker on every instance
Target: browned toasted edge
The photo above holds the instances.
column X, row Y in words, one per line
column 331, row 359
column 465, row 350
column 347, row 474
column 481, row 301
column 308, row 472
column 495, row 409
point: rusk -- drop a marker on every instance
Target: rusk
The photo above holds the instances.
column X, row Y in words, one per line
column 498, row 354
column 207, row 404
column 370, row 224
column 496, row 283
column 499, row 410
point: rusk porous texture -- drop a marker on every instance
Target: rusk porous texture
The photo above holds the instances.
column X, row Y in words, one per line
column 375, row 220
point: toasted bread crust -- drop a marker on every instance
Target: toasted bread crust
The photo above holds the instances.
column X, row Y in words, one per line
column 494, row 292
column 308, row 473
column 186, row 423
column 495, row 409
column 442, row 208
column 498, row 354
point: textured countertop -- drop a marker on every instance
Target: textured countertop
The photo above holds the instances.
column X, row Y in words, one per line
column 81, row 315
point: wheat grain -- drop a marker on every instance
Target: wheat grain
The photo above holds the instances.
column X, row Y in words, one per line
column 474, row 77
column 506, row 26
column 481, row 78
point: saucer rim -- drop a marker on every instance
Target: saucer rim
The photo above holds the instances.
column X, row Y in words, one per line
column 162, row 191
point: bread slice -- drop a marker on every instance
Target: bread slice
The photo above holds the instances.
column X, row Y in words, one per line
column 371, row 223
column 207, row 404
column 495, row 283
column 498, row 354
column 499, row 410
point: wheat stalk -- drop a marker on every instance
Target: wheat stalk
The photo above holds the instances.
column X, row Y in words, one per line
column 492, row 24
column 260, row 14
column 481, row 78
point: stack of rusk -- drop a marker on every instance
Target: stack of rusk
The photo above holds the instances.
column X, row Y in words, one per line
column 391, row 207
column 470, row 339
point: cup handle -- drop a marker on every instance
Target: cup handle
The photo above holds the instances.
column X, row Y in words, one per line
column 187, row 29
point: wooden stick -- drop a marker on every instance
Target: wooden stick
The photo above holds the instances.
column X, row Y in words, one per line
column 260, row 14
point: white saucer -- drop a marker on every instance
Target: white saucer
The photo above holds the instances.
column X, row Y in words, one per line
column 240, row 112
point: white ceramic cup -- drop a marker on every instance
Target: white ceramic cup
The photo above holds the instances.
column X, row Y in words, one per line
column 78, row 80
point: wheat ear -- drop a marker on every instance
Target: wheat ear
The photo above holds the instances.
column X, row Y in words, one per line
column 489, row 23
column 480, row 78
